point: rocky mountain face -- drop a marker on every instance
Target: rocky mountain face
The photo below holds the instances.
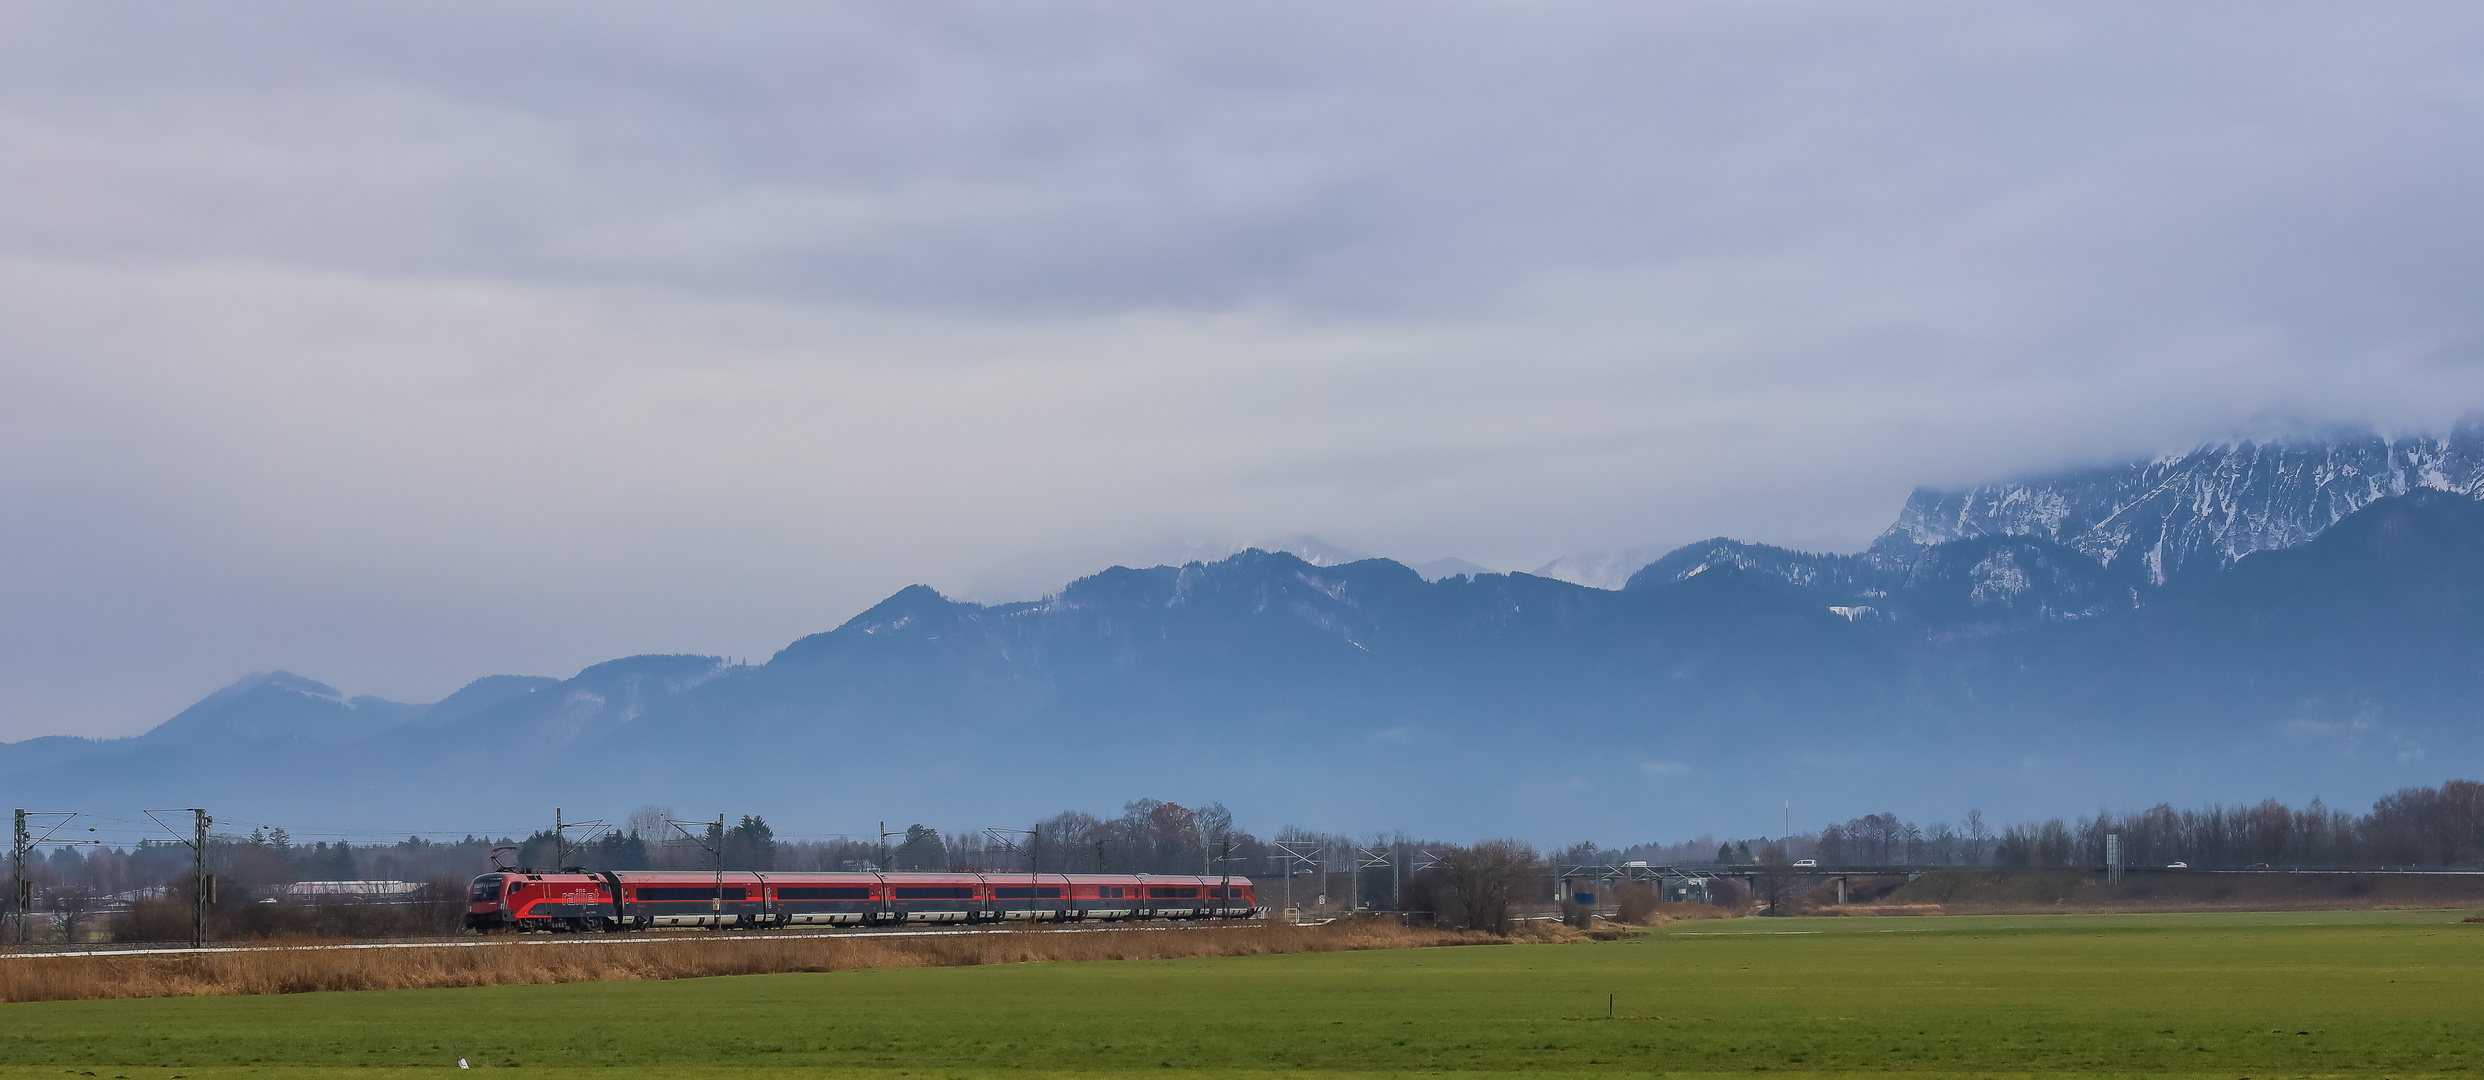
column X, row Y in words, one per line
column 2239, row 622
column 2156, row 520
column 2078, row 544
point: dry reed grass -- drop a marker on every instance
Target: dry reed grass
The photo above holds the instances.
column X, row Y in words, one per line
column 528, row 961
column 2147, row 908
column 1660, row 914
column 1894, row 909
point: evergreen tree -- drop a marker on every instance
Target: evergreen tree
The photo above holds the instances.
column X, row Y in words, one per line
column 923, row 850
column 538, row 852
column 324, row 861
column 614, row 851
column 752, row 845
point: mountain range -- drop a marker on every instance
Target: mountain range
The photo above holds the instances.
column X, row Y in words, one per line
column 2294, row 618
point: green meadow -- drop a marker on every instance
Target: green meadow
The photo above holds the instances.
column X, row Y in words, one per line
column 2393, row 994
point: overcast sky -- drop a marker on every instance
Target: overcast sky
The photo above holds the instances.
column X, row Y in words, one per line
column 398, row 344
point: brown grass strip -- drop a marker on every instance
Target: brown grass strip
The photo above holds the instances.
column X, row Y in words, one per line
column 2148, row 907
column 521, row 962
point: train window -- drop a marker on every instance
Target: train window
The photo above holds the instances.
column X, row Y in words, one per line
column 1023, row 892
column 1109, row 892
column 487, row 889
column 1164, row 892
column 659, row 895
column 823, row 892
column 935, row 892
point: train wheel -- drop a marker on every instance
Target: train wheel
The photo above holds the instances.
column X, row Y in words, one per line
column 597, row 924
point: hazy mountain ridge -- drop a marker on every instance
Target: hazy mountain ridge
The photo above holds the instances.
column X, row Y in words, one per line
column 1968, row 587
column 2012, row 660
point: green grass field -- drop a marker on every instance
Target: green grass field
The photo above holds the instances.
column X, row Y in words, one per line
column 2392, row 994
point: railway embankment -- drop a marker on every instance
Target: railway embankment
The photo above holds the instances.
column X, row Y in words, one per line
column 309, row 966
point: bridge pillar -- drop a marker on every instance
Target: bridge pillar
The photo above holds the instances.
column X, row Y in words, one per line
column 1841, row 890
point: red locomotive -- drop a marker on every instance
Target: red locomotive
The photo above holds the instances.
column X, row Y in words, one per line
column 578, row 901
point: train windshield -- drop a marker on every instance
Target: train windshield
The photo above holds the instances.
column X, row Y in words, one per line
column 486, row 888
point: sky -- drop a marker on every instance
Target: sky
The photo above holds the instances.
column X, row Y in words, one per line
column 397, row 344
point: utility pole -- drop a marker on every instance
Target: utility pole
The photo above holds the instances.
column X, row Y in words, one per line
column 202, row 884
column 22, row 888
column 1291, row 853
column 1397, row 877
column 560, row 837
column 1034, row 860
column 1354, row 882
column 1367, row 859
column 716, row 902
column 1428, row 861
column 22, row 843
column 198, row 874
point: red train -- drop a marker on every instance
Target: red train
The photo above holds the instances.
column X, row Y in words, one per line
column 578, row 901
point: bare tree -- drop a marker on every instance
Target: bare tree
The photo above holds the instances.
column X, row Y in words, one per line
column 1486, row 881
column 1978, row 838
column 1940, row 844
column 1636, row 902
column 1070, row 838
column 1776, row 879
column 69, row 908
column 1836, row 847
column 649, row 822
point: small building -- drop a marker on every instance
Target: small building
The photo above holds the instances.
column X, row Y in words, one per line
column 365, row 892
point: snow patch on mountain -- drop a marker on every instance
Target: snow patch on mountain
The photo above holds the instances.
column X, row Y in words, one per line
column 1996, row 579
column 1442, row 569
column 1599, row 570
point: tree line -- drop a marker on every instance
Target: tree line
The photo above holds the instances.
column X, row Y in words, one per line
column 2411, row 827
column 1470, row 884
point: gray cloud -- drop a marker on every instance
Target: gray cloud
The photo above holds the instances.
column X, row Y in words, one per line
column 397, row 344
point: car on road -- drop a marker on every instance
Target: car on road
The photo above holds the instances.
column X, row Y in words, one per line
column 1806, row 862
column 2177, row 866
